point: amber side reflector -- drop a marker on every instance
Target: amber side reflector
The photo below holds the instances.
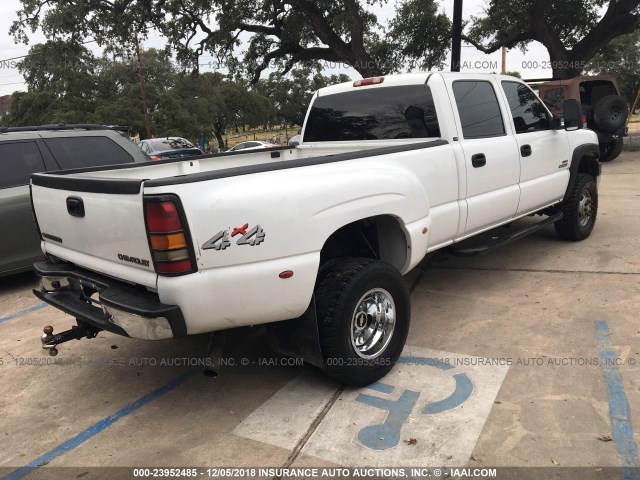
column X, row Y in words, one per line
column 168, row 242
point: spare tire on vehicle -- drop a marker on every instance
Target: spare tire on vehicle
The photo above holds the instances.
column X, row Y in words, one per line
column 611, row 150
column 610, row 113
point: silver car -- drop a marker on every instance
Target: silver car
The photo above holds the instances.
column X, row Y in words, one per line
column 27, row 150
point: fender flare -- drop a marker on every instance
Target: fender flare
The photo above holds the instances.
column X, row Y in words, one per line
column 591, row 150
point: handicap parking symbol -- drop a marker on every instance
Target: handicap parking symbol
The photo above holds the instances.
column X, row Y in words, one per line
column 387, row 434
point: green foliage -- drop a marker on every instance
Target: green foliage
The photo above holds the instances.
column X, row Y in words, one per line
column 407, row 35
column 573, row 31
column 67, row 84
column 621, row 58
column 291, row 94
column 276, row 34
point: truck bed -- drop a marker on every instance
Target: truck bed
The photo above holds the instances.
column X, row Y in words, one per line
column 241, row 162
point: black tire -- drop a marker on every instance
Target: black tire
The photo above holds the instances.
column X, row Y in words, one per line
column 346, row 284
column 578, row 220
column 610, row 113
column 611, row 150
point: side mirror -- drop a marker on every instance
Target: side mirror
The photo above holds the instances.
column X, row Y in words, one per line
column 556, row 123
column 572, row 113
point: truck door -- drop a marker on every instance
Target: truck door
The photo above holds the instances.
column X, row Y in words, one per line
column 544, row 153
column 491, row 156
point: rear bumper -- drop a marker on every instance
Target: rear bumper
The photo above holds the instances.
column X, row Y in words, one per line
column 119, row 307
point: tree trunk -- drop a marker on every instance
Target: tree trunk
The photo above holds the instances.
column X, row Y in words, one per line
column 564, row 72
column 221, row 145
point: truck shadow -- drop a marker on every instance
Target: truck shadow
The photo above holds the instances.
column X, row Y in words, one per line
column 18, row 281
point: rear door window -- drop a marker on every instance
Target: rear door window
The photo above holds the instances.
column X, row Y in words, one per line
column 18, row 160
column 479, row 110
column 383, row 113
column 80, row 152
column 529, row 114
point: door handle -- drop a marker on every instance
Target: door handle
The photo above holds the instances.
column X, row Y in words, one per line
column 478, row 160
column 525, row 150
column 75, row 206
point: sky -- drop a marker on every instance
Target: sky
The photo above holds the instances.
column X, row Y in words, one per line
column 472, row 59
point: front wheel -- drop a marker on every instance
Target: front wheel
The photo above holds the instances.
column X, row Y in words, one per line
column 363, row 313
column 580, row 209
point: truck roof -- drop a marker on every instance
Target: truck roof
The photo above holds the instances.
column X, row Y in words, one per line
column 411, row 79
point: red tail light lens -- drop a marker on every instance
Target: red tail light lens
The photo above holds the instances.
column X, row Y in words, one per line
column 155, row 158
column 162, row 217
column 584, row 119
column 168, row 234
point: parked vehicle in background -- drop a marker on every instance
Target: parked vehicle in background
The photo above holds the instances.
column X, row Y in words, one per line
column 317, row 236
column 252, row 145
column 169, row 147
column 605, row 110
column 48, row 148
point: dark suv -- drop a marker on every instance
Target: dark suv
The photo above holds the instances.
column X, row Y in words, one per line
column 27, row 150
column 605, row 110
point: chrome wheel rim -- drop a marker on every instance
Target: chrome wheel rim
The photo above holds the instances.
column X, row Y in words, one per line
column 585, row 208
column 372, row 323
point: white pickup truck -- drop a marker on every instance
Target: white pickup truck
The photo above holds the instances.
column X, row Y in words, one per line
column 388, row 170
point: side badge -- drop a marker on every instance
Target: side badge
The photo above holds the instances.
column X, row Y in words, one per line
column 222, row 240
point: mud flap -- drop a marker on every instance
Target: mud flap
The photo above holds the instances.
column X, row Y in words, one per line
column 298, row 337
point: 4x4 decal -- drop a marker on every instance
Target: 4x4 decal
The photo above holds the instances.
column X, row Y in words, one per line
column 221, row 240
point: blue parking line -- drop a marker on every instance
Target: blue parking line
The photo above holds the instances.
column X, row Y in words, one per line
column 619, row 412
column 381, row 387
column 98, row 427
column 40, row 306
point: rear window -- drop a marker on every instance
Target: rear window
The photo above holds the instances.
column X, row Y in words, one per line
column 373, row 114
column 80, row 152
column 18, row 161
column 161, row 144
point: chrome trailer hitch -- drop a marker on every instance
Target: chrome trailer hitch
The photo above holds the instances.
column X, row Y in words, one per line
column 77, row 332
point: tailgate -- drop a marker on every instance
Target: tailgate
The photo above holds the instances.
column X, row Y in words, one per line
column 95, row 223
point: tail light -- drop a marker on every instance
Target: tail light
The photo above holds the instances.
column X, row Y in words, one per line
column 584, row 119
column 155, row 158
column 168, row 233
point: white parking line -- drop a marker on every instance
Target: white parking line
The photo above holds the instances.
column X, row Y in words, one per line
column 286, row 416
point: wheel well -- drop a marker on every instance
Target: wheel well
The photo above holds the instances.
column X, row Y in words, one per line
column 381, row 237
column 589, row 164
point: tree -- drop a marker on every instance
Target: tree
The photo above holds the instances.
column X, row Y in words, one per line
column 621, row 58
column 61, row 88
column 573, row 31
column 291, row 94
column 118, row 99
column 286, row 32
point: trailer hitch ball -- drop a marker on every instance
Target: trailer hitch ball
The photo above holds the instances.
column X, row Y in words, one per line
column 47, row 335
